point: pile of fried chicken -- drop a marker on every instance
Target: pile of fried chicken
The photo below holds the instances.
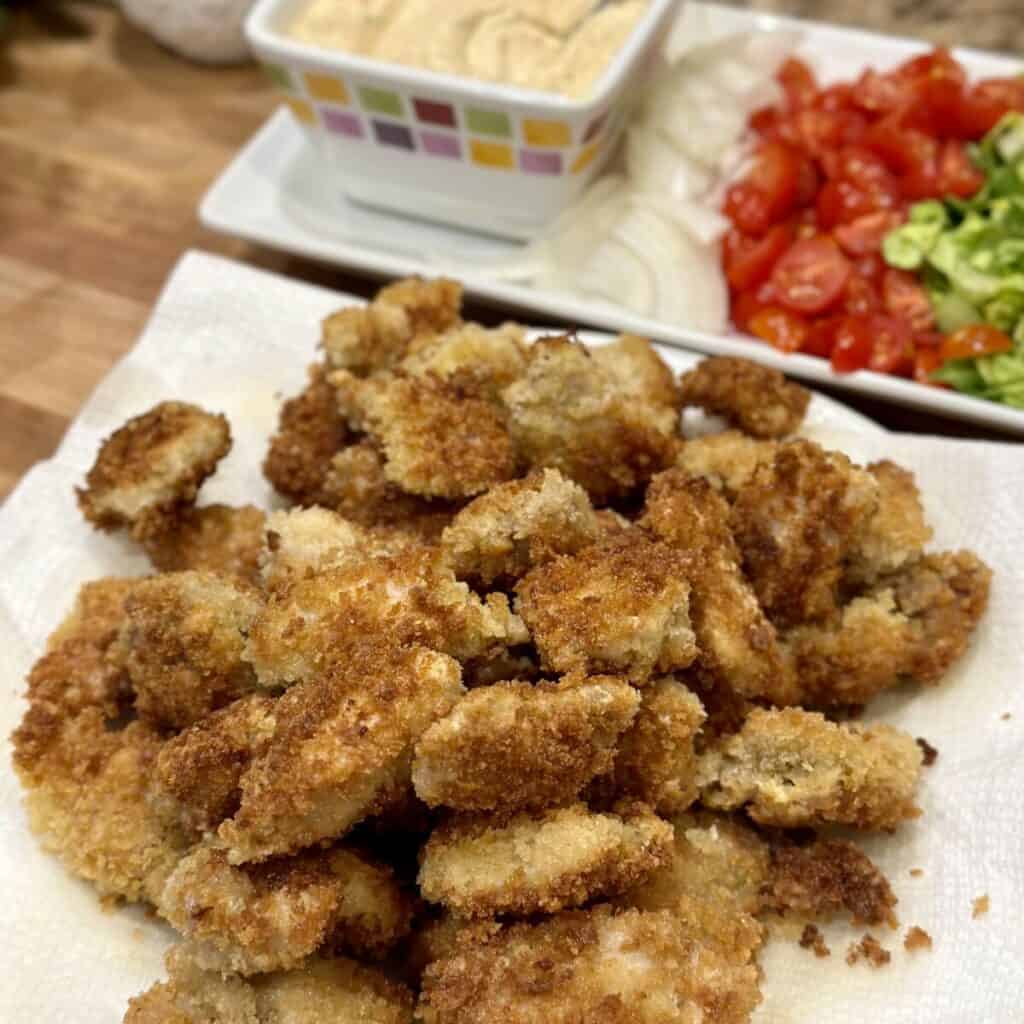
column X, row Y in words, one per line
column 523, row 707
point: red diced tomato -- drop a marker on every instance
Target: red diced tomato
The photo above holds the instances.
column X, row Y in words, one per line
column 986, row 102
column 798, row 82
column 810, row 275
column 975, row 340
column 926, row 362
column 852, row 348
column 934, row 105
column 866, row 234
column 859, row 166
column 892, row 346
column 903, row 149
column 747, row 303
column 906, row 299
column 769, row 192
column 821, row 336
column 835, row 97
column 840, row 202
column 749, row 261
column 939, row 63
column 876, row 93
column 860, row 296
column 820, row 131
column 871, row 267
column 779, row 327
column 748, row 209
column 958, row 176
column 765, row 122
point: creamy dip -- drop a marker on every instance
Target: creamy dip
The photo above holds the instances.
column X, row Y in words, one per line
column 560, row 46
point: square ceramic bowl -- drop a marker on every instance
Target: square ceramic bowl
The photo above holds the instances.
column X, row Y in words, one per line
column 498, row 159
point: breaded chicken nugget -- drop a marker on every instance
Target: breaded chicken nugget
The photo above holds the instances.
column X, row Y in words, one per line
column 478, row 866
column 795, row 522
column 365, row 339
column 310, row 432
column 757, row 399
column 321, row 991
column 152, row 467
column 896, row 534
column 436, row 442
column 182, row 645
column 408, row 598
column 738, row 645
column 516, row 526
column 639, row 372
column 357, row 489
column 501, row 666
column 597, row 965
column 568, row 412
column 516, row 746
column 266, row 917
column 478, row 361
column 341, row 748
column 726, row 460
column 655, row 761
column 215, row 538
column 620, row 606
column 794, row 768
column 198, row 776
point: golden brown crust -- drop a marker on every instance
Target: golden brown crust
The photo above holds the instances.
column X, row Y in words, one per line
column 757, row 399
column 152, row 467
column 480, row 867
column 793, row 768
column 518, row 746
column 597, row 966
column 639, row 372
column 620, row 606
column 727, row 460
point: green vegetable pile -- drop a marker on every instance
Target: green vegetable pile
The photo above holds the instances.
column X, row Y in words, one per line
column 969, row 254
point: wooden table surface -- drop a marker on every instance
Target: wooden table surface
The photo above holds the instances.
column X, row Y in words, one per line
column 107, row 143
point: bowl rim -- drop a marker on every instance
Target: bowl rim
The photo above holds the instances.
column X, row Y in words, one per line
column 268, row 41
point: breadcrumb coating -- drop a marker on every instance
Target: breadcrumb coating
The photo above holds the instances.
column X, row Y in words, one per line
column 598, row 966
column 519, row 525
column 265, row 917
column 727, row 460
column 310, row 432
column 738, row 645
column 409, row 598
column 150, row 468
column 640, row 373
column 341, row 748
column 215, row 538
column 374, row 337
column 567, row 412
column 182, row 645
column 794, row 768
column 620, row 606
column 540, row 863
column 321, row 991
column 516, row 746
column 756, row 399
column 655, row 761
column 795, row 522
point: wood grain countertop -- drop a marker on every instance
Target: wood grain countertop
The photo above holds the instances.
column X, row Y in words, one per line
column 107, row 143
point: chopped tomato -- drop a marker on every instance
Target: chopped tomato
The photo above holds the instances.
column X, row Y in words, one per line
column 818, row 132
column 748, row 209
column 811, row 275
column 975, row 340
column 835, row 97
column 958, row 176
column 903, row 149
column 860, row 296
column 922, row 183
column 768, row 193
column 840, row 202
column 749, row 261
column 985, row 103
column 821, row 336
column 937, row 63
column 765, row 121
column 892, row 346
column 934, row 104
column 926, row 362
column 905, row 298
column 798, row 82
column 871, row 267
column 852, row 348
column 877, row 93
column 865, row 169
column 747, row 303
column 866, row 234
column 781, row 329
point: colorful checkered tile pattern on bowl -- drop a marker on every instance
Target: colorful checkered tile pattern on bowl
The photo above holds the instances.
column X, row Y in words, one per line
column 420, row 124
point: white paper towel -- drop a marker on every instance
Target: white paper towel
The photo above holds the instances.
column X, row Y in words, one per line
column 234, row 340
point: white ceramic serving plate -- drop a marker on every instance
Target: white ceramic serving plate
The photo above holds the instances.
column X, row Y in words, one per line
column 493, row 157
column 273, row 194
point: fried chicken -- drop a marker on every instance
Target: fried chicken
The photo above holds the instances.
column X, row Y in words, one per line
column 480, row 867
column 793, row 768
column 596, row 965
column 519, row 525
column 655, row 761
column 341, row 748
column 620, row 606
column 152, row 467
column 252, row 919
column 757, row 399
column 182, row 645
column 727, row 460
column 516, row 746
column 310, row 432
column 638, row 372
column 568, row 412
column 375, row 337
column 321, row 991
column 214, row 538
column 408, row 598
column 436, row 442
column 796, row 521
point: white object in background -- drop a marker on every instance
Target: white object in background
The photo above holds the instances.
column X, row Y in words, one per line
column 209, row 31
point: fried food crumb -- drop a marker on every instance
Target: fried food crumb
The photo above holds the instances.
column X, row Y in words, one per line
column 916, row 872
column 979, row 907
column 930, row 753
column 811, row 938
column 870, row 949
column 916, row 938
column 1005, row 716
